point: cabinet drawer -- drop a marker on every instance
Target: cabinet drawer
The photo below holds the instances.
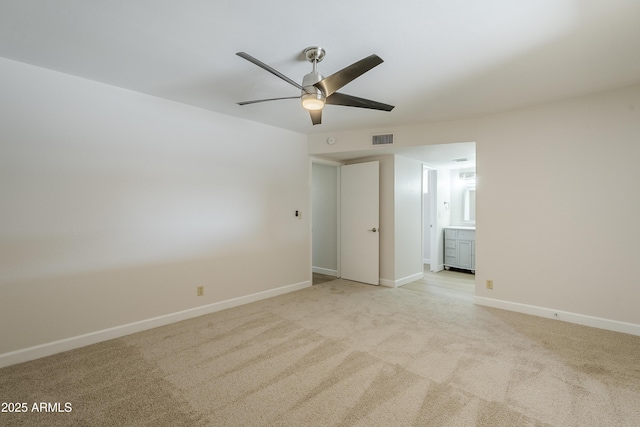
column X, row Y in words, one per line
column 450, row 252
column 449, row 244
column 449, row 233
column 466, row 235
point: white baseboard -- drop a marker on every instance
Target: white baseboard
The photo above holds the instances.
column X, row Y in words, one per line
column 402, row 281
column 325, row 271
column 437, row 268
column 580, row 319
column 387, row 282
column 38, row 351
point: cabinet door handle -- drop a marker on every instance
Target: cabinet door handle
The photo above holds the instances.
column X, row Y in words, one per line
column 374, row 229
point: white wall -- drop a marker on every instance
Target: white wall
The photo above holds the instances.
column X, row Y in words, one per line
column 558, row 206
column 405, row 136
column 408, row 220
column 557, row 216
column 116, row 205
column 324, row 201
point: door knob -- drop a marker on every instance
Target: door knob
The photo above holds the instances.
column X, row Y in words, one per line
column 374, row 229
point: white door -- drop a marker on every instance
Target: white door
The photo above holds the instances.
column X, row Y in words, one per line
column 359, row 200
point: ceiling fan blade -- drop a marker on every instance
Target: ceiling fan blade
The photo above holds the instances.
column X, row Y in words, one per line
column 316, row 116
column 353, row 101
column 265, row 100
column 340, row 78
column 268, row 68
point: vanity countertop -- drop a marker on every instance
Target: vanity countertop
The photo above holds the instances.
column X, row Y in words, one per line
column 460, row 227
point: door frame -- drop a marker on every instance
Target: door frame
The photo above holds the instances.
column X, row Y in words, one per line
column 433, row 214
column 436, row 231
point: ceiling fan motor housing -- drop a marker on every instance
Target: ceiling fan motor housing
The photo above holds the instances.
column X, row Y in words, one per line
column 312, row 97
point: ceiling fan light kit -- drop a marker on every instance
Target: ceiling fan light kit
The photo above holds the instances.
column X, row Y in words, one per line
column 316, row 90
column 313, row 101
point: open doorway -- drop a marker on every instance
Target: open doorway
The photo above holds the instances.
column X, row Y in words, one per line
column 325, row 199
column 439, row 189
column 449, row 229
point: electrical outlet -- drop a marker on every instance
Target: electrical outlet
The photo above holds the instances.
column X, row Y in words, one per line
column 489, row 284
column 200, row 291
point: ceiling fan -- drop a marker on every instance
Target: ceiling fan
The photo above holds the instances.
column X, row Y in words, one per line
column 316, row 90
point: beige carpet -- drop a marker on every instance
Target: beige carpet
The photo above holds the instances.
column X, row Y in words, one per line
column 342, row 354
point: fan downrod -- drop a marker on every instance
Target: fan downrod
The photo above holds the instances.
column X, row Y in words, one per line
column 314, row 54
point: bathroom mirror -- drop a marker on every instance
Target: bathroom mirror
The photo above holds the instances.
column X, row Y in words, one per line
column 469, row 205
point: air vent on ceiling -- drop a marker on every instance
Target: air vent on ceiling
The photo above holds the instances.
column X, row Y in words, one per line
column 382, row 139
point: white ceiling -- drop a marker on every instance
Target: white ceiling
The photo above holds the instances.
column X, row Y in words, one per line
column 444, row 59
